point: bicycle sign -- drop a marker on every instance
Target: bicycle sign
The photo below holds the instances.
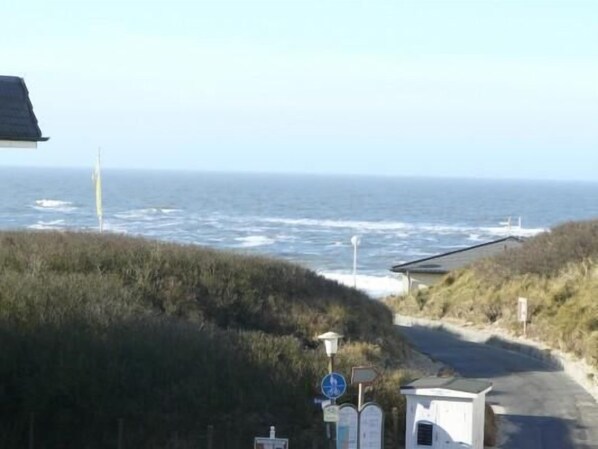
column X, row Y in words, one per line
column 334, row 385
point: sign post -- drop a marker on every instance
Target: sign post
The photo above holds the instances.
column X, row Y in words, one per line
column 363, row 375
column 522, row 313
column 333, row 386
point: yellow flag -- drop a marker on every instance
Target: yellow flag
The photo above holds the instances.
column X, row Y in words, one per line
column 97, row 179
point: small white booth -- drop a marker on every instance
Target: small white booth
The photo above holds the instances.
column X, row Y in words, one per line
column 445, row 413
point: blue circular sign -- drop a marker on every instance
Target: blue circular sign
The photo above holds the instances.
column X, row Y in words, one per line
column 334, row 386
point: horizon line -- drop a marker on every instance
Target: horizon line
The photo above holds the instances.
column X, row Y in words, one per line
column 301, row 173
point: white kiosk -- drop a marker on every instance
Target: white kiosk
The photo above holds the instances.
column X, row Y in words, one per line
column 445, row 413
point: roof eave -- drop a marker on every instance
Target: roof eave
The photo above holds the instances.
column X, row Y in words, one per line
column 416, row 271
column 24, row 139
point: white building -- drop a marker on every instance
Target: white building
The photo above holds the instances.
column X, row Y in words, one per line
column 445, row 413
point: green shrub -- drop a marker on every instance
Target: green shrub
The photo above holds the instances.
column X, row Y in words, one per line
column 171, row 339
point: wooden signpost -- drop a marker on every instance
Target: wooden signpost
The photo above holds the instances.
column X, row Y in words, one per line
column 363, row 375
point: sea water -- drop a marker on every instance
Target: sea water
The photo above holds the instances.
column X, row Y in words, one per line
column 305, row 219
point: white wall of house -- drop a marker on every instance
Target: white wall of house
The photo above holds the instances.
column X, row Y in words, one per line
column 416, row 281
column 17, row 144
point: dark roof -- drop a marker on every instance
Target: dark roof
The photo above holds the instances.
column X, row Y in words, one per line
column 450, row 383
column 17, row 120
column 453, row 260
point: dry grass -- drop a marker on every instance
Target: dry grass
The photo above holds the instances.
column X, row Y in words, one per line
column 557, row 272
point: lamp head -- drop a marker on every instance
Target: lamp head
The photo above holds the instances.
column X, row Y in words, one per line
column 330, row 340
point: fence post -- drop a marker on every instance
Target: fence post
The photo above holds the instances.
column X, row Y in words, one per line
column 121, row 425
column 31, row 430
column 210, row 437
column 395, row 426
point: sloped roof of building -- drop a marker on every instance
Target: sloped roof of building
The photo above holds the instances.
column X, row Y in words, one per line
column 453, row 260
column 17, row 120
column 474, row 386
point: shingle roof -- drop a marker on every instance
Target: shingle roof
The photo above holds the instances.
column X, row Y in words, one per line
column 450, row 383
column 17, row 120
column 453, row 260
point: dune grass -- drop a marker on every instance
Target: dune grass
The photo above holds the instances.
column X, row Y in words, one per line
column 171, row 339
column 558, row 273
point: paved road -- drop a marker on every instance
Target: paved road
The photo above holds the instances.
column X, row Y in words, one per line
column 543, row 408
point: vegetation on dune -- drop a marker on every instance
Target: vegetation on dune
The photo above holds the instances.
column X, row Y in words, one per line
column 557, row 271
column 171, row 339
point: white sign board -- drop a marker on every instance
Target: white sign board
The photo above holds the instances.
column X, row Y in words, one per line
column 331, row 413
column 371, row 427
column 271, row 443
column 346, row 430
column 522, row 309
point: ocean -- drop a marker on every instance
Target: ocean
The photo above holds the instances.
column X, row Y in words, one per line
column 305, row 219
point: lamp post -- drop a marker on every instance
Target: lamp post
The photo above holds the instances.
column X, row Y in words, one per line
column 355, row 241
column 330, row 340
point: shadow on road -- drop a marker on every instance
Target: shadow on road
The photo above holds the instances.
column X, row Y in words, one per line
column 539, row 432
column 471, row 358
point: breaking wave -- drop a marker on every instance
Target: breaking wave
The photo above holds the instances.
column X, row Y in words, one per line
column 55, row 205
column 253, row 241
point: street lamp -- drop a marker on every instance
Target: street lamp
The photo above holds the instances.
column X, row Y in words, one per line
column 355, row 241
column 330, row 340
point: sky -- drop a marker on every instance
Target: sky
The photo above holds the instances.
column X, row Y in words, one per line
column 479, row 88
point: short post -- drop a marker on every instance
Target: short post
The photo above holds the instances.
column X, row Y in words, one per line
column 31, row 430
column 121, row 425
column 210, row 437
column 395, row 426
column 272, row 432
column 522, row 313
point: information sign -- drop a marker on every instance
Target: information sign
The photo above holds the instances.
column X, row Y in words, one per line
column 347, row 427
column 334, row 385
column 371, row 427
column 331, row 413
column 271, row 443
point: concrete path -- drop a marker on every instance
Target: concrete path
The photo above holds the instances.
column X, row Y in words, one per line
column 541, row 408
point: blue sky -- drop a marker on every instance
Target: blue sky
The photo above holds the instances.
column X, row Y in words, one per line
column 441, row 88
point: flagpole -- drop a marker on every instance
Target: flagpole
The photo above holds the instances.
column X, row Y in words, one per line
column 101, row 217
column 97, row 177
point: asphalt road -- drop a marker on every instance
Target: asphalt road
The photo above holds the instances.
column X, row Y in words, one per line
column 540, row 408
